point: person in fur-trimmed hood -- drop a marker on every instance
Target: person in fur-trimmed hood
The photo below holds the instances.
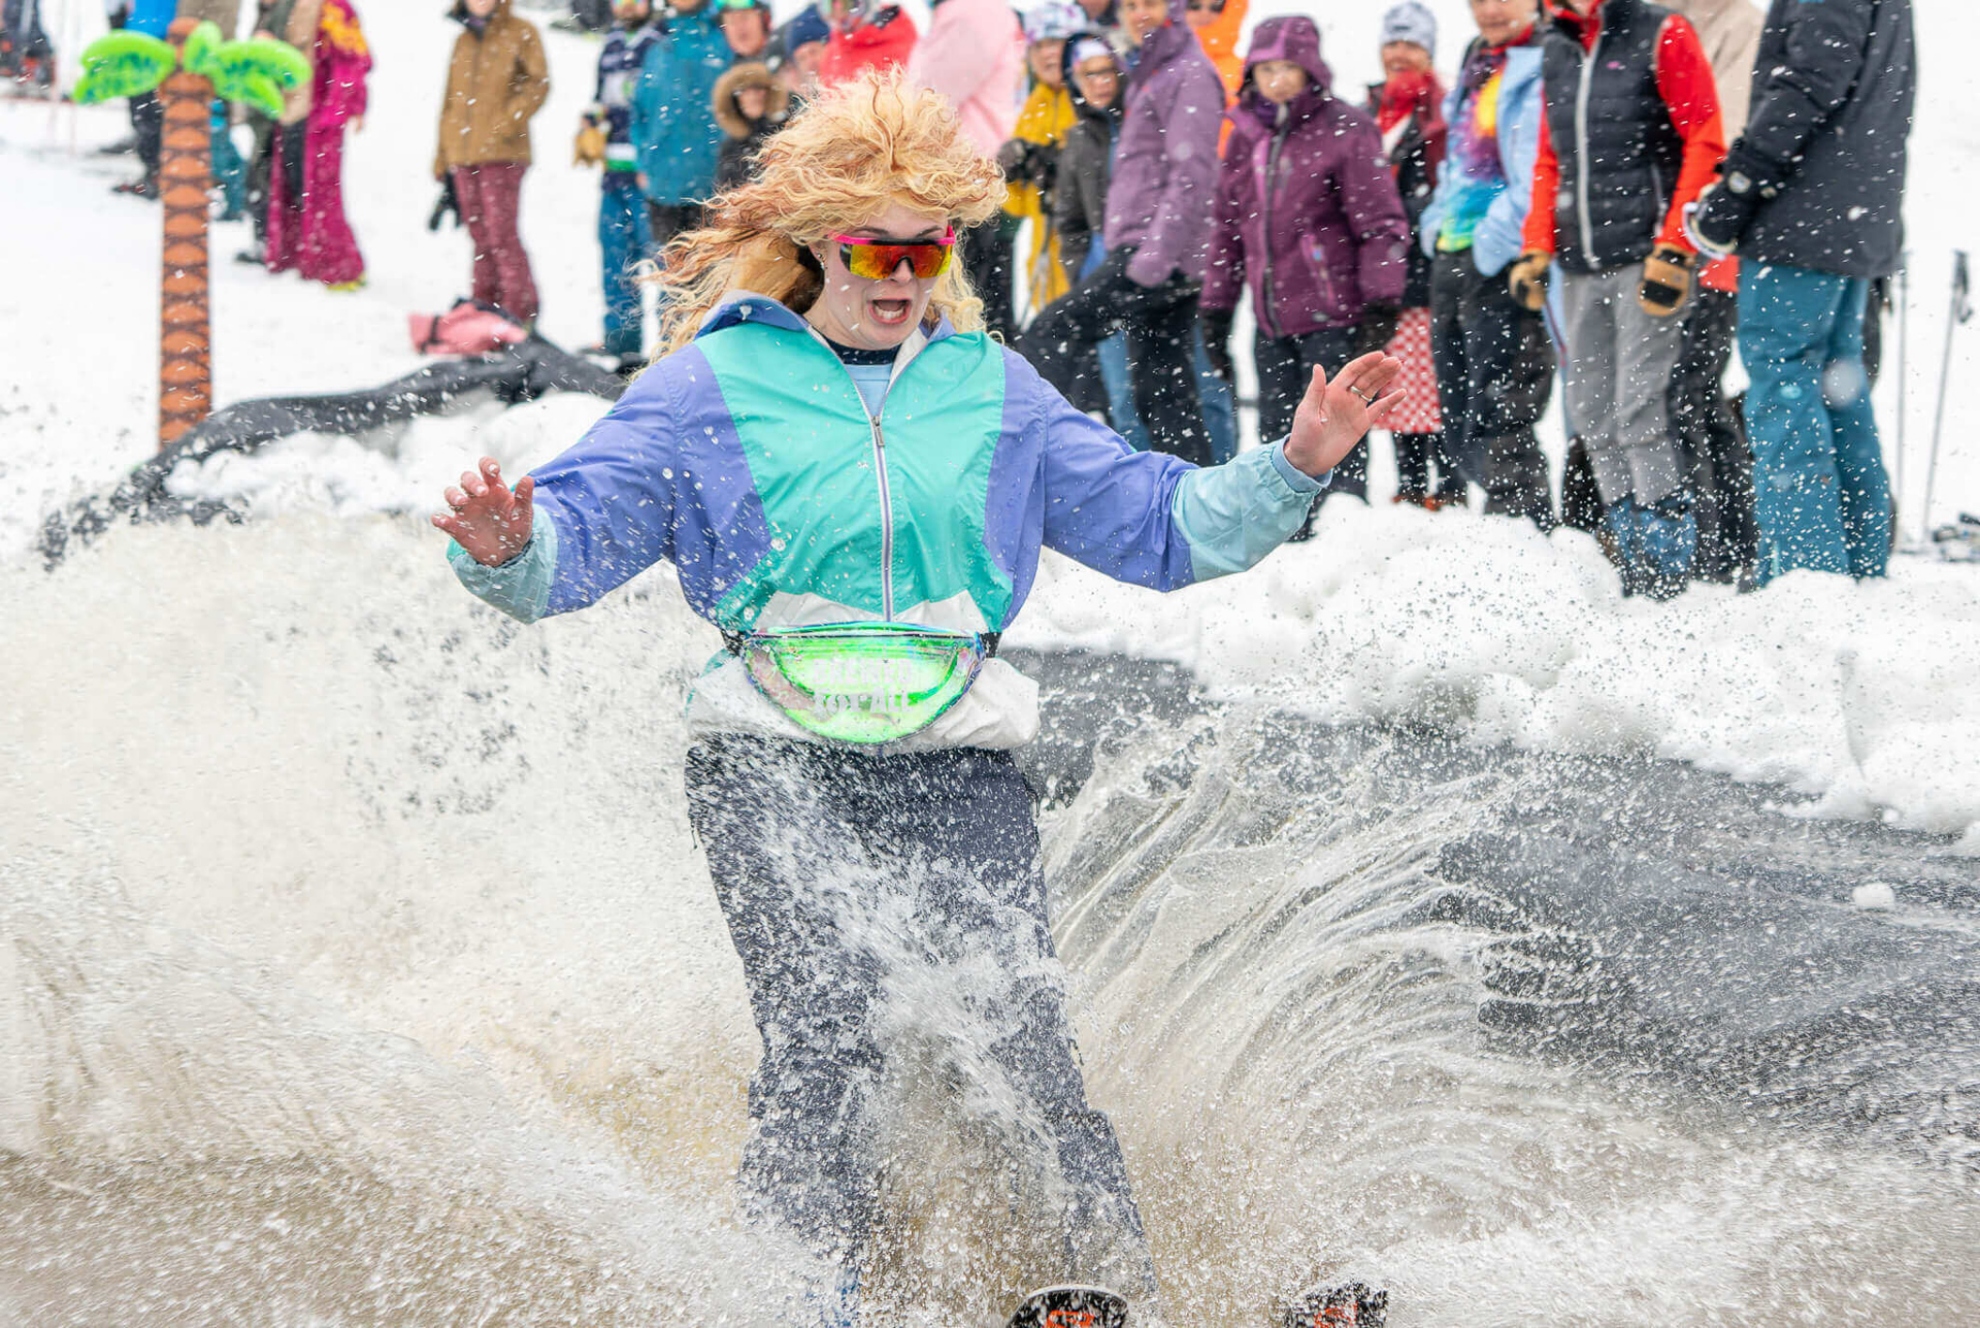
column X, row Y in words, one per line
column 751, row 104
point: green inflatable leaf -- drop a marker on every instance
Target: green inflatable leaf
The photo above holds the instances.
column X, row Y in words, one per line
column 253, row 71
column 258, row 91
column 123, row 64
column 200, row 45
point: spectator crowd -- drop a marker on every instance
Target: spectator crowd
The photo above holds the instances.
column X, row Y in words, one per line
column 1611, row 193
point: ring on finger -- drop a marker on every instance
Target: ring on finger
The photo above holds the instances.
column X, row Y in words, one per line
column 1363, row 395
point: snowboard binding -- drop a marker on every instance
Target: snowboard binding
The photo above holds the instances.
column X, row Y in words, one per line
column 1071, row 1307
column 1354, row 1305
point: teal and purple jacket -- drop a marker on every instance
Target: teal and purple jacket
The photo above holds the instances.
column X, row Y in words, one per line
column 749, row 461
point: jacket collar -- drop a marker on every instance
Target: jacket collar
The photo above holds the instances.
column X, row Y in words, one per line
column 747, row 307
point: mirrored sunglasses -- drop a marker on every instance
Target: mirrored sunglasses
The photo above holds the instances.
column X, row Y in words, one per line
column 873, row 259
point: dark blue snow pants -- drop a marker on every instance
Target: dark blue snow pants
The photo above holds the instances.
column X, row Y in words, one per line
column 1820, row 496
column 868, row 894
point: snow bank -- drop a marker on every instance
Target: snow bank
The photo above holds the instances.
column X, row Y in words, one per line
column 1865, row 697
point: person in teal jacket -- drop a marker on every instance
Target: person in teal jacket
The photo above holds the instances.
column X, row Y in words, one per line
column 854, row 483
column 675, row 138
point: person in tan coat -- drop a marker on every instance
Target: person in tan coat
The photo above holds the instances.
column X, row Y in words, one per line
column 1711, row 437
column 1730, row 32
column 498, row 80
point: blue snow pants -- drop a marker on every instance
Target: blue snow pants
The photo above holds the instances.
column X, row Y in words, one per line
column 1821, row 499
column 623, row 242
column 852, row 883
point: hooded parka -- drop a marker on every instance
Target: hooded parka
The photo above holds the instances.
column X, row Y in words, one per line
column 746, row 136
column 1307, row 212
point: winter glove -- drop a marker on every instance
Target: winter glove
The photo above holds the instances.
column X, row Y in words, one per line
column 590, row 147
column 1217, row 342
column 1527, row 279
column 1717, row 222
column 1666, row 281
column 449, row 202
column 1013, row 157
column 1377, row 327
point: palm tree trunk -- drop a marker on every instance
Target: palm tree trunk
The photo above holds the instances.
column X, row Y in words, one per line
column 185, row 346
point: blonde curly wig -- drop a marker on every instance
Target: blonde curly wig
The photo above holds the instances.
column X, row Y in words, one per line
column 858, row 148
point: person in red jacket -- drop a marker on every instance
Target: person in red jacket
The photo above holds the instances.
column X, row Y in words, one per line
column 865, row 35
column 1630, row 136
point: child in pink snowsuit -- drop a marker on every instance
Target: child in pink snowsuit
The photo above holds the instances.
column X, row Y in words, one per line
column 306, row 226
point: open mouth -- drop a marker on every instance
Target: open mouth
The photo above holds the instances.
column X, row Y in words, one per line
column 890, row 313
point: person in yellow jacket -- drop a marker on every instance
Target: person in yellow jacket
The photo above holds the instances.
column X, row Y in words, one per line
column 1030, row 159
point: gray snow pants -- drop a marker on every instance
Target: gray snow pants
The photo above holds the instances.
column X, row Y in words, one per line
column 851, row 882
column 1620, row 364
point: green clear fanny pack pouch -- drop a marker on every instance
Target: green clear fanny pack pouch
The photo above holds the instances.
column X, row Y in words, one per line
column 863, row 682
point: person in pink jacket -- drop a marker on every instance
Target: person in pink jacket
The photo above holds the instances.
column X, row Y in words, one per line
column 973, row 54
column 307, row 229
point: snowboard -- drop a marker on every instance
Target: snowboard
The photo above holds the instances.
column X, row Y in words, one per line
column 1354, row 1305
column 1071, row 1307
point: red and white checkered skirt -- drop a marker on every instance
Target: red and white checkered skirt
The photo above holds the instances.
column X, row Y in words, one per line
column 1422, row 413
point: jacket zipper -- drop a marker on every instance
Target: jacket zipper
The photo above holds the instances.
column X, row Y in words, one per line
column 886, row 494
column 886, row 518
column 1271, row 178
column 1588, row 60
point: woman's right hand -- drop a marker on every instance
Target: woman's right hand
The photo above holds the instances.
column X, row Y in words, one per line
column 490, row 520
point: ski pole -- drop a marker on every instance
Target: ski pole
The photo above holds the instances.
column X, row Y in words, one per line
column 1961, row 310
column 1903, row 331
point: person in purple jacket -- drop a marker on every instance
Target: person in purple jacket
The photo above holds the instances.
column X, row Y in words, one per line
column 1158, row 218
column 1308, row 216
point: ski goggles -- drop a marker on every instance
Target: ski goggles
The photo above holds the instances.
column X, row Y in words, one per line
column 875, row 260
column 866, row 682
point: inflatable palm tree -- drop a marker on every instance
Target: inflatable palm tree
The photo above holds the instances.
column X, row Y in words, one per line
column 191, row 69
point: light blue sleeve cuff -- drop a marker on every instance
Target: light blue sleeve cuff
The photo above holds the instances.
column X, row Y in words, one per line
column 1232, row 515
column 519, row 587
column 1296, row 479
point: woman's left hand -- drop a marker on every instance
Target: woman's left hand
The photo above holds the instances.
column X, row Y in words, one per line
column 1333, row 417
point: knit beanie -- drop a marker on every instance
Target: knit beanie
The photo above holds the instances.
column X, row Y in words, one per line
column 1411, row 21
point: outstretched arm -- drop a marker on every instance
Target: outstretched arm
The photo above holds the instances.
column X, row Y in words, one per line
column 489, row 520
column 587, row 522
column 1153, row 520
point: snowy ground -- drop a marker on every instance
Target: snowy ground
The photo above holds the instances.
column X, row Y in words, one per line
column 1866, row 698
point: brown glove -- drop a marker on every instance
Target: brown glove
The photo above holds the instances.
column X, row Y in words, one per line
column 1666, row 281
column 1527, row 279
column 590, row 147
